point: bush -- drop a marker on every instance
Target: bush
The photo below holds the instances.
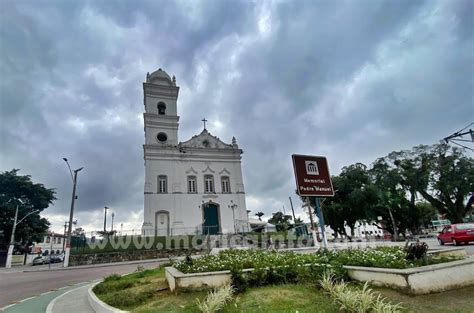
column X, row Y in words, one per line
column 239, row 281
column 356, row 300
column 416, row 251
column 216, row 299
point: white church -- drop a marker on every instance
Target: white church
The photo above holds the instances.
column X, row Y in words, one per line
column 191, row 187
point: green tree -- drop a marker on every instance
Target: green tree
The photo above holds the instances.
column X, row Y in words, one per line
column 35, row 197
column 281, row 221
column 259, row 215
column 442, row 175
column 352, row 200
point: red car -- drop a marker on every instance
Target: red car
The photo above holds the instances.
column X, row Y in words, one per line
column 456, row 234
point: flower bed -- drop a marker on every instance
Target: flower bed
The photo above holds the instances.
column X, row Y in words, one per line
column 387, row 257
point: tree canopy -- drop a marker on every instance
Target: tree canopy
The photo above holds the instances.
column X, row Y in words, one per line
column 405, row 188
column 281, row 221
column 35, row 197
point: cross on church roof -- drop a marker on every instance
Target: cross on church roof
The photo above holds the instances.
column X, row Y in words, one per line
column 204, row 121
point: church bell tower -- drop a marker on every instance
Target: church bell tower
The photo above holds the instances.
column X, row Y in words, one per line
column 161, row 115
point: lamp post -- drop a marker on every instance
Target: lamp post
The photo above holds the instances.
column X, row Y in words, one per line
column 8, row 263
column 71, row 213
column 233, row 206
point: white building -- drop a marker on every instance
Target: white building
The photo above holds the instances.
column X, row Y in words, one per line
column 52, row 243
column 191, row 187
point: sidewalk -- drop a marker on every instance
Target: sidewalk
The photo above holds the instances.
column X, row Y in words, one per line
column 74, row 300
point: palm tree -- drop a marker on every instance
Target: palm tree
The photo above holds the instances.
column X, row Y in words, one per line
column 259, row 214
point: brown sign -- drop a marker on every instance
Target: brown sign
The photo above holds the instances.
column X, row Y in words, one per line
column 312, row 176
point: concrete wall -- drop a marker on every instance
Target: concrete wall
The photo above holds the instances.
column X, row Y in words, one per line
column 122, row 256
column 420, row 280
column 177, row 280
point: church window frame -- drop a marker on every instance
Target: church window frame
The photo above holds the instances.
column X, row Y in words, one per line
column 162, row 184
column 209, row 184
column 161, row 108
column 225, row 184
column 192, row 184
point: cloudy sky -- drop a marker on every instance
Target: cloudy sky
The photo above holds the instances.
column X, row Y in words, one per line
column 351, row 80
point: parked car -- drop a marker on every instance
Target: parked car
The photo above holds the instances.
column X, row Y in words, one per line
column 456, row 234
column 40, row 260
column 58, row 258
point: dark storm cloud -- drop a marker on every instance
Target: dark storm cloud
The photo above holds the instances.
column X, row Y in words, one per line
column 345, row 79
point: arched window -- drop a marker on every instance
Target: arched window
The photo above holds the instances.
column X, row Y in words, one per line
column 192, row 184
column 161, row 108
column 225, row 182
column 209, row 184
column 162, row 184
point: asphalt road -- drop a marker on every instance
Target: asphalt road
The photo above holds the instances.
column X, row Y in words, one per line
column 16, row 285
column 433, row 244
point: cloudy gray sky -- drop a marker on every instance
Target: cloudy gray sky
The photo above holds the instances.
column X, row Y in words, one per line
column 352, row 80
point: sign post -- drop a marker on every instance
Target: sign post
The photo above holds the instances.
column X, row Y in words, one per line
column 313, row 181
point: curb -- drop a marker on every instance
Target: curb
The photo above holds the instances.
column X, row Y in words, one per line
column 98, row 305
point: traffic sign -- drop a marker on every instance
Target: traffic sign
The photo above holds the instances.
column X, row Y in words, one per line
column 312, row 176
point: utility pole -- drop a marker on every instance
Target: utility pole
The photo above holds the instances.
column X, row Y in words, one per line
column 8, row 263
column 12, row 239
column 65, row 226
column 71, row 213
column 105, row 218
column 292, row 210
column 112, row 229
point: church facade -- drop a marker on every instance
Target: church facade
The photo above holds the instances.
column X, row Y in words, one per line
column 191, row 187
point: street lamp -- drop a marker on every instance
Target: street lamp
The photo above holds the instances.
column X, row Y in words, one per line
column 71, row 213
column 233, row 206
column 12, row 237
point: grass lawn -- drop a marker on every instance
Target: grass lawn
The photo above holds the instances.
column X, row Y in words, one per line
column 459, row 300
column 146, row 291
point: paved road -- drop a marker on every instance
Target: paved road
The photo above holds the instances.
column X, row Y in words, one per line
column 15, row 285
column 433, row 244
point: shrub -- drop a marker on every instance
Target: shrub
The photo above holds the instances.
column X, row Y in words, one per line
column 238, row 280
column 356, row 300
column 416, row 251
column 215, row 300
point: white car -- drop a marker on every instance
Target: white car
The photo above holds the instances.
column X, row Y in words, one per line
column 40, row 260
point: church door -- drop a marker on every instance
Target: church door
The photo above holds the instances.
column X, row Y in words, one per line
column 162, row 223
column 211, row 219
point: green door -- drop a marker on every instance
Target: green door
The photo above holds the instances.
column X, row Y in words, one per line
column 211, row 219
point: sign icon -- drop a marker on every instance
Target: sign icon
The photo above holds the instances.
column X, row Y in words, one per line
column 311, row 167
column 312, row 176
